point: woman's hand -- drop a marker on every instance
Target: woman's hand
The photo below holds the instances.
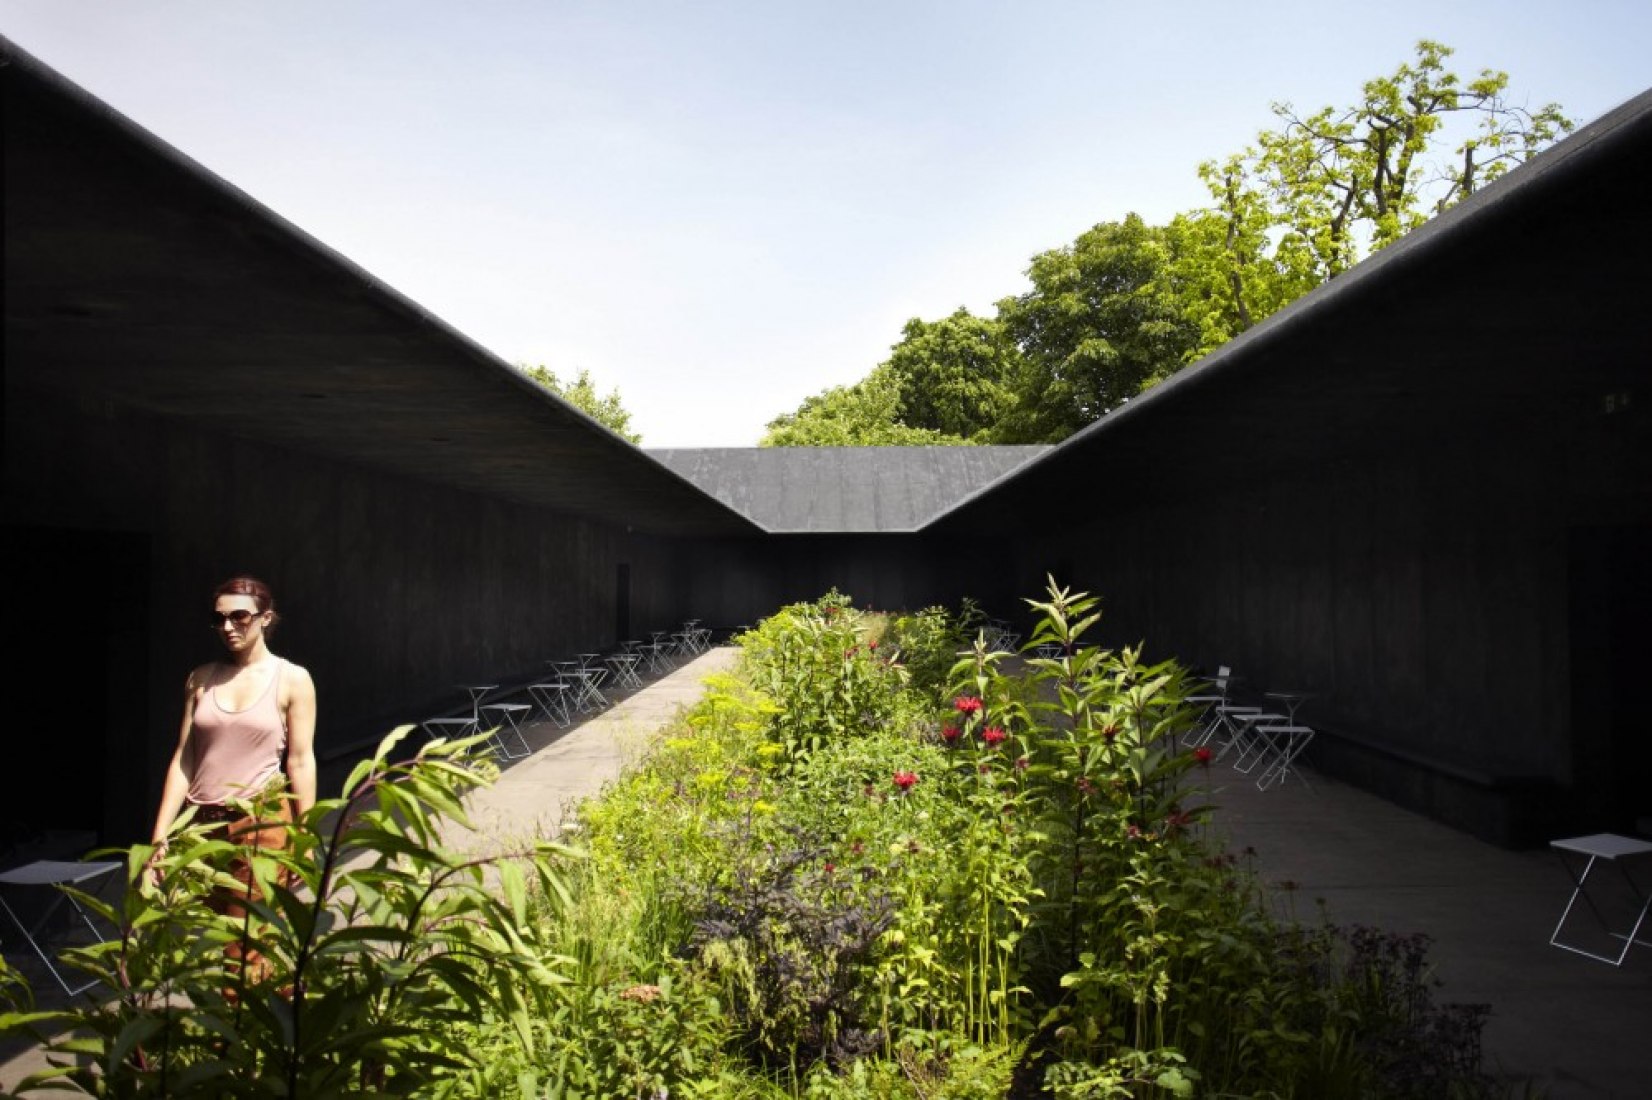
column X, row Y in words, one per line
column 152, row 865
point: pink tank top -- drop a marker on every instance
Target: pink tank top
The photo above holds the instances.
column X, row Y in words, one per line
column 237, row 752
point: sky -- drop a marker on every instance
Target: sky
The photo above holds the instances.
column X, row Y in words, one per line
column 720, row 209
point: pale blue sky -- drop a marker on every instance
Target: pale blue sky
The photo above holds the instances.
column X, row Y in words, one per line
column 721, row 208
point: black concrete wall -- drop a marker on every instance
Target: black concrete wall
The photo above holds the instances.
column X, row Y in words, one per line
column 1462, row 612
column 393, row 593
column 735, row 582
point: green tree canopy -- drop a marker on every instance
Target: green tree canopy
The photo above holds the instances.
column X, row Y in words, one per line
column 866, row 414
column 1100, row 324
column 582, row 394
column 1128, row 304
column 954, row 374
column 1310, row 199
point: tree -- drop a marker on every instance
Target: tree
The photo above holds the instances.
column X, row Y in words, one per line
column 582, row 394
column 866, row 414
column 1100, row 325
column 954, row 374
column 1310, row 199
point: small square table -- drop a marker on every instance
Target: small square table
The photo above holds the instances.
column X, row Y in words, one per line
column 51, row 874
column 1619, row 851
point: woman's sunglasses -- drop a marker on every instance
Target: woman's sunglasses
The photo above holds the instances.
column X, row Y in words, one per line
column 240, row 617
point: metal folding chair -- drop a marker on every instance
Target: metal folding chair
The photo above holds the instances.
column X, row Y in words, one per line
column 1207, row 702
column 52, row 874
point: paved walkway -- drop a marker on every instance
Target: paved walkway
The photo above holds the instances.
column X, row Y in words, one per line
column 532, row 795
column 1570, row 1026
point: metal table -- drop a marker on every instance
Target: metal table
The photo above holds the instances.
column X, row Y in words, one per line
column 1618, row 851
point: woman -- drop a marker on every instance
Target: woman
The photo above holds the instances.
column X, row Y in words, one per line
column 248, row 728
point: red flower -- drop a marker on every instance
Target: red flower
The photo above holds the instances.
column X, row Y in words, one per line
column 949, row 734
column 905, row 780
column 967, row 704
column 1202, row 755
column 872, row 645
column 1110, row 730
column 993, row 735
column 830, row 867
column 857, row 848
column 1021, row 763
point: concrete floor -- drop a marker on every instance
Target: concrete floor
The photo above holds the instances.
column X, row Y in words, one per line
column 1562, row 1026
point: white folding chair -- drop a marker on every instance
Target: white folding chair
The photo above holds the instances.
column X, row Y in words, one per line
column 51, row 874
column 1208, row 702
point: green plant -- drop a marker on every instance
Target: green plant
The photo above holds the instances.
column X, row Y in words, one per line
column 638, row 1040
column 928, row 643
column 826, row 678
column 382, row 948
column 789, row 948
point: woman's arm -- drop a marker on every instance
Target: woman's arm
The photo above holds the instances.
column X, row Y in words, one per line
column 301, row 737
column 176, row 784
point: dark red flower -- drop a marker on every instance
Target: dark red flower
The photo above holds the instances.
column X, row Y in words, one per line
column 905, row 780
column 872, row 646
column 950, row 734
column 993, row 735
column 857, row 848
column 967, row 704
column 830, row 867
column 1085, row 786
column 1133, row 832
column 1021, row 763
column 1202, row 755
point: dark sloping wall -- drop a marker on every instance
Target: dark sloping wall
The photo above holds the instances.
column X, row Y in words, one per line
column 394, row 593
column 1415, row 494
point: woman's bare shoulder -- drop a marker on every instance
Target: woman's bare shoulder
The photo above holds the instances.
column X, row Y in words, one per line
column 297, row 676
column 201, row 677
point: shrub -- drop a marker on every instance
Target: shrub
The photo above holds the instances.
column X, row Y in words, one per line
column 382, row 948
column 788, row 948
column 826, row 680
column 928, row 643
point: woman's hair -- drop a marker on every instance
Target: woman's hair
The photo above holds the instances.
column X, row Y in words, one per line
column 262, row 597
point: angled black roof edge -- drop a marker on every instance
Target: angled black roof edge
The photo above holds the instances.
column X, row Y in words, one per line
column 1522, row 185
column 13, row 55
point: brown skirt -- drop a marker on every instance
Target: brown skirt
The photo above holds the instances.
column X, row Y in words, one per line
column 268, row 833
